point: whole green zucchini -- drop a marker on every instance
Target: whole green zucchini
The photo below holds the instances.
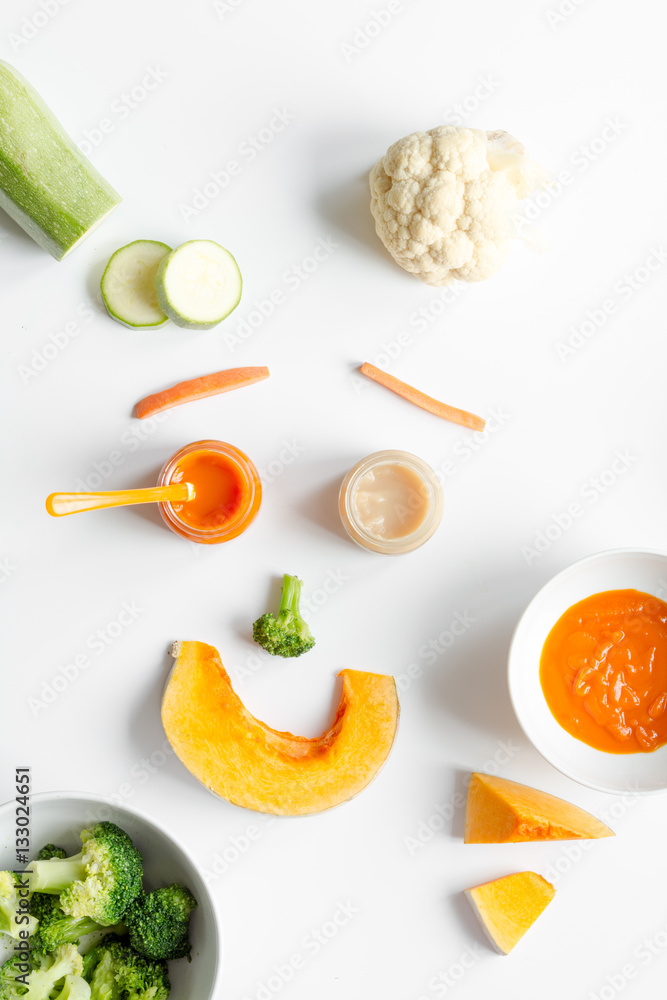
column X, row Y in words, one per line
column 46, row 183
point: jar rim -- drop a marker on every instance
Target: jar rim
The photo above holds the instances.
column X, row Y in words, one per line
column 251, row 478
column 405, row 543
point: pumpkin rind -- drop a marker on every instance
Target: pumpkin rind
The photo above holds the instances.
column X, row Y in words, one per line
column 246, row 762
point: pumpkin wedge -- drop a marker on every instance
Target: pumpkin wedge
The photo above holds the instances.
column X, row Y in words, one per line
column 507, row 907
column 499, row 811
column 242, row 760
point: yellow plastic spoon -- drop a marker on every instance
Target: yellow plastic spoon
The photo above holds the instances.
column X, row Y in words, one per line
column 59, row 504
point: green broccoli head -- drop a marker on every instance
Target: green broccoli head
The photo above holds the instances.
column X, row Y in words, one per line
column 120, row 973
column 20, row 983
column 287, row 634
column 158, row 922
column 100, row 882
column 55, row 926
column 14, row 908
column 11, row 973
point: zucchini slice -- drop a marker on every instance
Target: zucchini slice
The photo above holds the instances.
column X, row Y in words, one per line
column 128, row 284
column 198, row 284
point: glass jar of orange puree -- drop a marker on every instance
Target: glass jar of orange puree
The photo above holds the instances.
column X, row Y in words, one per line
column 227, row 487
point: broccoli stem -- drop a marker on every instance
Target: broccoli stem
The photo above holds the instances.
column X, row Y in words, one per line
column 55, row 875
column 291, row 596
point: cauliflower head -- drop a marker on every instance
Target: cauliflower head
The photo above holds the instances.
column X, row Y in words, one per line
column 444, row 201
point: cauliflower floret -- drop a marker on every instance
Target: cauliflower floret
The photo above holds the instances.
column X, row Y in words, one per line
column 443, row 201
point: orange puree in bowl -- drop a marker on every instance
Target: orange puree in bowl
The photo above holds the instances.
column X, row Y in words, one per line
column 603, row 671
column 221, row 491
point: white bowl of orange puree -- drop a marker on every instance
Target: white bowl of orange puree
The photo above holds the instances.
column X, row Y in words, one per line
column 588, row 671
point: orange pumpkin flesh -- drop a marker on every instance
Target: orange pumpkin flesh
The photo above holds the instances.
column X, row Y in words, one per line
column 244, row 761
column 499, row 811
column 507, row 907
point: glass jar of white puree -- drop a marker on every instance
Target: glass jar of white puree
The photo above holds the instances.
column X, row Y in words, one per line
column 390, row 502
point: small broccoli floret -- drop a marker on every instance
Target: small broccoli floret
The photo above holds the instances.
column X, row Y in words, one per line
column 122, row 974
column 17, row 981
column 12, row 972
column 74, row 988
column 158, row 922
column 100, row 882
column 287, row 634
column 55, row 926
column 51, row 851
column 14, row 907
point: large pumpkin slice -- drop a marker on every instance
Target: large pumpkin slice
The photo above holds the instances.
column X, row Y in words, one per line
column 508, row 906
column 504, row 812
column 241, row 759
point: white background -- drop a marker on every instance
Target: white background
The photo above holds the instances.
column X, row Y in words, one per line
column 554, row 83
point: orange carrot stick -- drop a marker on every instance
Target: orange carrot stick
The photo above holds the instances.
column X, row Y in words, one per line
column 421, row 399
column 198, row 388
